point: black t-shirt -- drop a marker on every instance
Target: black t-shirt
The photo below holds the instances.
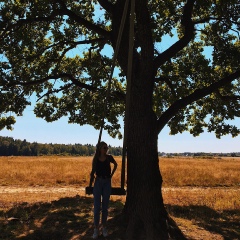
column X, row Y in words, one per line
column 103, row 169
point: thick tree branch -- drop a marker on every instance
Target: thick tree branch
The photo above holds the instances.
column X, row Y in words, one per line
column 72, row 44
column 106, row 5
column 55, row 13
column 21, row 22
column 55, row 91
column 227, row 98
column 57, row 76
column 82, row 21
column 188, row 25
column 207, row 19
column 144, row 32
column 119, row 95
column 75, row 43
column 196, row 95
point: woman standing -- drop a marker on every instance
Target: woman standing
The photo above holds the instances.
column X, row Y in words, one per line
column 102, row 185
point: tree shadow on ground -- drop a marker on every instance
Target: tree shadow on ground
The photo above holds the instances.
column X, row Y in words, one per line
column 66, row 218
column 224, row 223
column 71, row 219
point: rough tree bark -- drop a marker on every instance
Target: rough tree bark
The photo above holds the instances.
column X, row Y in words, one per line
column 145, row 211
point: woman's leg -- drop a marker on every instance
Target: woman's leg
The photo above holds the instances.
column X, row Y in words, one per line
column 97, row 192
column 105, row 200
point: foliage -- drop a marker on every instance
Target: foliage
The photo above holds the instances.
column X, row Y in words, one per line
column 57, row 50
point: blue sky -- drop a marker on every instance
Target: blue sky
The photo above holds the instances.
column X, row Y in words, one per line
column 36, row 129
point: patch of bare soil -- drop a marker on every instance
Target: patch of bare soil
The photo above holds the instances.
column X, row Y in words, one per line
column 40, row 189
column 77, row 190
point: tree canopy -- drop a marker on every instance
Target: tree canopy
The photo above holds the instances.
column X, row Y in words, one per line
column 57, row 50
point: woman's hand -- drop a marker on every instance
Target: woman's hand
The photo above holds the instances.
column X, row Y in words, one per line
column 91, row 179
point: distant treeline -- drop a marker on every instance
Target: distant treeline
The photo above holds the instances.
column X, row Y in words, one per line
column 12, row 147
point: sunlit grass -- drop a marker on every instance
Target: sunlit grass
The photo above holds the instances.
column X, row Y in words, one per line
column 214, row 172
column 218, row 199
column 177, row 172
column 44, row 171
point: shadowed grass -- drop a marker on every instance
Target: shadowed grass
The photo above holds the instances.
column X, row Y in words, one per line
column 224, row 223
column 66, row 218
column 71, row 218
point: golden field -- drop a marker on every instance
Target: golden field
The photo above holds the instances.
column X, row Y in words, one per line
column 176, row 172
column 202, row 195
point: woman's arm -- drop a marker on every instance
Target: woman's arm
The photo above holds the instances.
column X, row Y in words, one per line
column 114, row 166
column 92, row 174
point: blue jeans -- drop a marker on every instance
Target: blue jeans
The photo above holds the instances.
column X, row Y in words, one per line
column 101, row 193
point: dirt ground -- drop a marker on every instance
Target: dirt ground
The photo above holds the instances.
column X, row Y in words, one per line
column 12, row 195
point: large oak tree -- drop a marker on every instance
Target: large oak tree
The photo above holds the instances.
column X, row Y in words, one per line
column 57, row 51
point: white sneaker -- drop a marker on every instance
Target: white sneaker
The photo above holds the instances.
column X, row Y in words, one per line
column 105, row 232
column 95, row 233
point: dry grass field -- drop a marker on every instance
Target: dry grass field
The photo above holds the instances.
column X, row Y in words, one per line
column 44, row 198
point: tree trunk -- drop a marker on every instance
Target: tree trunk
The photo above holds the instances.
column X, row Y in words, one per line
column 144, row 209
column 145, row 212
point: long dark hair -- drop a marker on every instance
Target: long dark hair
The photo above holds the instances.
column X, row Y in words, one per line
column 98, row 149
column 97, row 154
